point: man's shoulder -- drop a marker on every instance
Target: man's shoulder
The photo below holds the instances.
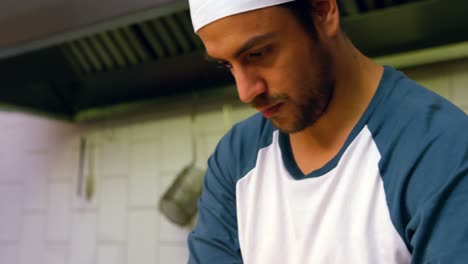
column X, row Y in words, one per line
column 238, row 149
column 412, row 112
column 253, row 131
column 421, row 137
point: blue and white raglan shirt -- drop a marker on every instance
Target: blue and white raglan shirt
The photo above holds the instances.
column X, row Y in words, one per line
column 397, row 191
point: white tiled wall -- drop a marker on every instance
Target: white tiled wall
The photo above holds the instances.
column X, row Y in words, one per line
column 144, row 175
column 83, row 242
column 43, row 220
column 32, row 248
column 11, row 208
column 56, row 253
column 142, row 244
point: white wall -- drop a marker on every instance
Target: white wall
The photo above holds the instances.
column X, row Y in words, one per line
column 44, row 221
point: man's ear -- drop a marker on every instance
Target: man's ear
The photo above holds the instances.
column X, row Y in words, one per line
column 326, row 17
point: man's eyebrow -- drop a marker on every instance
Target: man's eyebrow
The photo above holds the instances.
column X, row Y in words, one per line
column 252, row 42
column 245, row 47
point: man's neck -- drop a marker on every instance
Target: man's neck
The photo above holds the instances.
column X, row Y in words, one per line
column 357, row 79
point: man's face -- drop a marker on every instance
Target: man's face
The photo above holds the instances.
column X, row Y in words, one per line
column 278, row 67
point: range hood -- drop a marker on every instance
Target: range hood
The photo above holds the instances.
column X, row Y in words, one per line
column 74, row 59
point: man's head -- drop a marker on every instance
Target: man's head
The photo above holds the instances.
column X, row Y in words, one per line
column 279, row 53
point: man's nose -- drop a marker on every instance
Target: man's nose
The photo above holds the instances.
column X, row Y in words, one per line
column 249, row 84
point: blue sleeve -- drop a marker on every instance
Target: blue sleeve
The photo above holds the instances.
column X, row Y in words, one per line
column 438, row 228
column 423, row 141
column 215, row 237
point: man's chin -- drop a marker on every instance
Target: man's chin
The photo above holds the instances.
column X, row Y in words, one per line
column 287, row 128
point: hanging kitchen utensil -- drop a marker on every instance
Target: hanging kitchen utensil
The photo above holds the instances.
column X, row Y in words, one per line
column 179, row 202
column 86, row 181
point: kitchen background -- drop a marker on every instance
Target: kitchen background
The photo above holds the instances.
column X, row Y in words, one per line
column 63, row 203
column 44, row 220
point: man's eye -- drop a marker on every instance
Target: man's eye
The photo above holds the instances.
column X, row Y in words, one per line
column 224, row 65
column 257, row 54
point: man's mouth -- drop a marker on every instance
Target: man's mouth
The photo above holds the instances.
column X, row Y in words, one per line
column 271, row 111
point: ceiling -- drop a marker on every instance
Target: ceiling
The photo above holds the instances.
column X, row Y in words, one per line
column 158, row 56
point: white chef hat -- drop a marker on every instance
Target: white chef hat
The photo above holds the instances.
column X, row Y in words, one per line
column 204, row 12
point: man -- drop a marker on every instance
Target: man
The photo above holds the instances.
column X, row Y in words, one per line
column 347, row 161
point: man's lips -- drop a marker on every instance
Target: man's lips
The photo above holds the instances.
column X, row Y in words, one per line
column 270, row 111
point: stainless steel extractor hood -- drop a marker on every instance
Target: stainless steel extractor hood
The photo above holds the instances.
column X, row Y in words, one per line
column 75, row 58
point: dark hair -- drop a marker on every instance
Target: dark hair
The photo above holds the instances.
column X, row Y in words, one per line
column 301, row 9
